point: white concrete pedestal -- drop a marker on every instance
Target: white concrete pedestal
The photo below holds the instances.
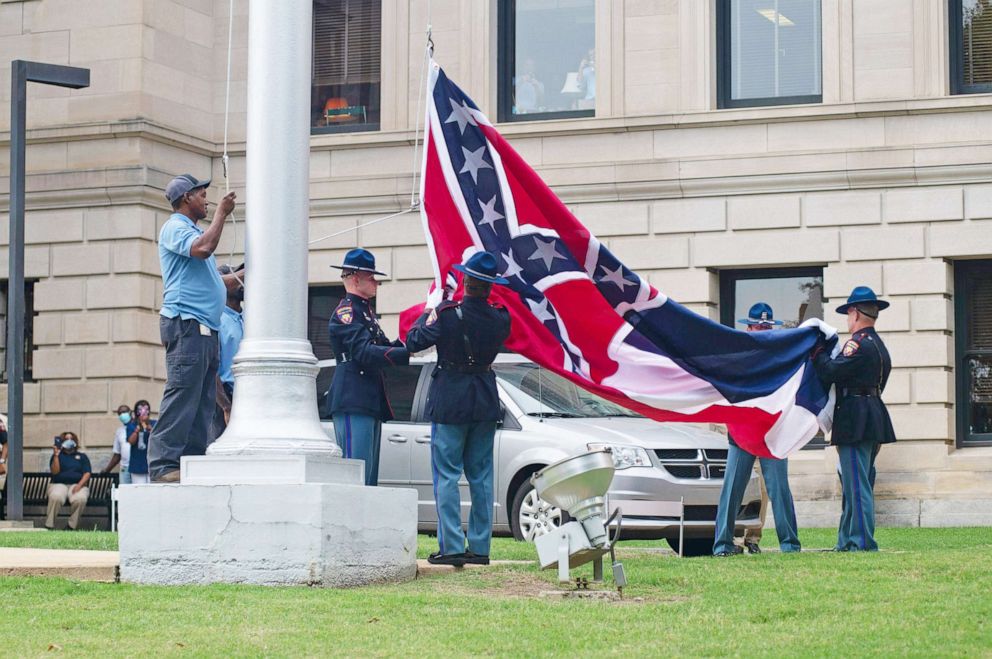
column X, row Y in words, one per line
column 268, row 520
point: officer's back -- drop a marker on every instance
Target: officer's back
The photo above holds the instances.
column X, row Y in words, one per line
column 468, row 335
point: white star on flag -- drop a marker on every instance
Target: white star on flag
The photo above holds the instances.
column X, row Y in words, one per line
column 489, row 213
column 540, row 310
column 512, row 268
column 461, row 115
column 545, row 252
column 616, row 277
column 474, row 162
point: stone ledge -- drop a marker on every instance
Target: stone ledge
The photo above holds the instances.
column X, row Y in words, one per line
column 317, row 534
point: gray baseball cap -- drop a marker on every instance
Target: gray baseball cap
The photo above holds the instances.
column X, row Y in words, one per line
column 181, row 185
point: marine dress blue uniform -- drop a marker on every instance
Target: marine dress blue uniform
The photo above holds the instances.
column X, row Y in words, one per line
column 861, row 422
column 358, row 401
column 463, row 407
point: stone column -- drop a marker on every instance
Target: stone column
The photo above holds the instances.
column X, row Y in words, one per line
column 275, row 407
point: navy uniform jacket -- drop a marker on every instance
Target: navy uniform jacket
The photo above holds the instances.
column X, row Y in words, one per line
column 362, row 351
column 463, row 388
column 860, row 372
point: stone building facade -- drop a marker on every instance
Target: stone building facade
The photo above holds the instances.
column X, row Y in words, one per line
column 884, row 181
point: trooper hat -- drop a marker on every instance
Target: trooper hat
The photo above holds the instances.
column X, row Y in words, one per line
column 862, row 295
column 760, row 314
column 359, row 259
column 181, row 185
column 482, row 265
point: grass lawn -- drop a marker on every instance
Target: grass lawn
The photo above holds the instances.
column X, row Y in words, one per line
column 928, row 592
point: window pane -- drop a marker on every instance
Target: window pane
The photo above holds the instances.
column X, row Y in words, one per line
column 976, row 41
column 322, row 302
column 401, row 386
column 979, row 395
column 792, row 299
column 346, row 64
column 554, row 59
column 774, row 48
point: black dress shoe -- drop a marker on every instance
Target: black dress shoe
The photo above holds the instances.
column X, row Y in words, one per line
column 476, row 559
column 456, row 560
column 752, row 547
column 729, row 552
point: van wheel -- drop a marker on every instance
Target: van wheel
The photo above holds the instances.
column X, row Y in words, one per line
column 532, row 516
column 692, row 546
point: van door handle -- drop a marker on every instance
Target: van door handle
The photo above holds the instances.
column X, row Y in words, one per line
column 397, row 439
column 423, row 439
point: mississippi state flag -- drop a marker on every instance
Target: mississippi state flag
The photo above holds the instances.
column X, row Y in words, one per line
column 578, row 311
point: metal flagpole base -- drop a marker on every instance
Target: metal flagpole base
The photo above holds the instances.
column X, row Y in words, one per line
column 275, row 404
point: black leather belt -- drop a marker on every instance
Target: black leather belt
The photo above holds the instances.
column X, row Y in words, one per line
column 464, row 368
column 860, row 391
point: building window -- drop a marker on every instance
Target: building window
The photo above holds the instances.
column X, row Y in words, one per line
column 794, row 294
column 28, row 330
column 547, row 59
column 321, row 303
column 971, row 46
column 345, row 85
column 768, row 52
column 973, row 364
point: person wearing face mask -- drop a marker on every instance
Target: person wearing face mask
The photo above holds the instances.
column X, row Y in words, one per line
column 70, row 476
column 139, row 431
column 357, row 396
column 232, row 330
column 122, row 450
column 861, row 421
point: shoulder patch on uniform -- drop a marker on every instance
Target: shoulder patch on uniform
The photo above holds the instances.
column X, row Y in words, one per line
column 432, row 317
column 345, row 314
column 851, row 347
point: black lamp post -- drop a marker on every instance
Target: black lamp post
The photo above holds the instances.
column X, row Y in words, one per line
column 22, row 72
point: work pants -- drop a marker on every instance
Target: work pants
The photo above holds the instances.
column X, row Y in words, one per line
column 468, row 448
column 58, row 494
column 183, row 427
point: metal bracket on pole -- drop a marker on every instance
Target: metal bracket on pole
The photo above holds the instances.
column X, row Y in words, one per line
column 563, row 558
column 21, row 73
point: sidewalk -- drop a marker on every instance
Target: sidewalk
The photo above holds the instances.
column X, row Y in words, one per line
column 80, row 564
column 87, row 565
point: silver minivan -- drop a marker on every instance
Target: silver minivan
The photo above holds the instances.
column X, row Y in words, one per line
column 547, row 418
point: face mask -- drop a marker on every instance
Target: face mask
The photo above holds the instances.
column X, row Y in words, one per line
column 69, row 446
column 125, row 417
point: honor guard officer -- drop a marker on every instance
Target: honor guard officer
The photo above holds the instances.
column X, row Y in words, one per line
column 463, row 406
column 358, row 394
column 774, row 479
column 861, row 422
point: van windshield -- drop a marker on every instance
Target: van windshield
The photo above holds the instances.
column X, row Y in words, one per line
column 540, row 392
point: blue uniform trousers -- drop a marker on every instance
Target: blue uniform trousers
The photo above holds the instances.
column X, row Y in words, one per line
column 776, row 475
column 857, row 518
column 358, row 435
column 468, row 447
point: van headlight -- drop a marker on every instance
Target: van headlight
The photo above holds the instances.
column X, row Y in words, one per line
column 624, row 456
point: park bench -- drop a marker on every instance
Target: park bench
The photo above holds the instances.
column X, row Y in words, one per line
column 36, row 493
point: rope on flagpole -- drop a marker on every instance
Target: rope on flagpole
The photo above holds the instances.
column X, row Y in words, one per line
column 364, row 224
column 224, row 159
column 428, row 55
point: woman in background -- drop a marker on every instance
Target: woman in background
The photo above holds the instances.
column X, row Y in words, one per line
column 138, row 432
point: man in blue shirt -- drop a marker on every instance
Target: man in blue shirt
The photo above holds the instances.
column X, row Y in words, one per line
column 232, row 330
column 192, row 305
